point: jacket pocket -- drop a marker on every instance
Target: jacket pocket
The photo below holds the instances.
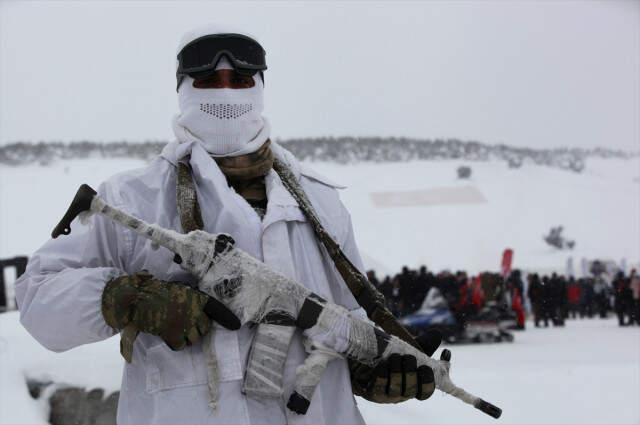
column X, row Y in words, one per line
column 227, row 351
column 167, row 369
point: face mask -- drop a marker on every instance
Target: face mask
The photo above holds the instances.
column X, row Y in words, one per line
column 228, row 122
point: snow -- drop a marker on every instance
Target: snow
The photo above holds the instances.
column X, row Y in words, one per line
column 599, row 208
column 585, row 373
column 439, row 195
column 91, row 366
column 588, row 372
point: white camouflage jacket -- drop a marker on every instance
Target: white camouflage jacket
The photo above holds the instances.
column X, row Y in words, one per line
column 59, row 296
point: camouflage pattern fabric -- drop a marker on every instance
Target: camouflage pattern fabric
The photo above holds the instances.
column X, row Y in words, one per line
column 187, row 200
column 170, row 310
column 245, row 173
column 249, row 166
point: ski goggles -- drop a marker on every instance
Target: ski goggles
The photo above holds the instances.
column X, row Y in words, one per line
column 200, row 57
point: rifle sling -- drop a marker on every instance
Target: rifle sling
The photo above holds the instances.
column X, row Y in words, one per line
column 367, row 295
column 187, row 200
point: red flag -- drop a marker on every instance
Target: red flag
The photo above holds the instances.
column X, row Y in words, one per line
column 507, row 258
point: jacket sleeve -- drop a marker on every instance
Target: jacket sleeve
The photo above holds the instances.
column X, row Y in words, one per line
column 59, row 295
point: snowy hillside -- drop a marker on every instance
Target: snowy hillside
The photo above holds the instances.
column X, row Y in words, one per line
column 457, row 224
column 599, row 208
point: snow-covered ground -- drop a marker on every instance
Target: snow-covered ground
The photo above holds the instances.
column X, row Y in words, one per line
column 585, row 373
column 599, row 208
column 92, row 366
column 588, row 372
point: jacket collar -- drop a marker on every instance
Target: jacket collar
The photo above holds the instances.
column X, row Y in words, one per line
column 281, row 205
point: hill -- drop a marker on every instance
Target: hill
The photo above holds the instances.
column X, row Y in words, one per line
column 599, row 208
column 342, row 150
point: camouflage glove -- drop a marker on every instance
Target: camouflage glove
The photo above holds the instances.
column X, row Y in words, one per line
column 398, row 378
column 178, row 314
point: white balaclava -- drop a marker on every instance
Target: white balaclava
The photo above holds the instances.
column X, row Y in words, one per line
column 228, row 122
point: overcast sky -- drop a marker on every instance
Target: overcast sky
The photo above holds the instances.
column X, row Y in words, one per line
column 526, row 73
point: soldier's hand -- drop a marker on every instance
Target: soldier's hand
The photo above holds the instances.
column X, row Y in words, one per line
column 178, row 314
column 398, row 378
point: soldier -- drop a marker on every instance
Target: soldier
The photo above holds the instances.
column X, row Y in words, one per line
column 217, row 176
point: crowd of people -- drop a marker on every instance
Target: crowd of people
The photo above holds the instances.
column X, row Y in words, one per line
column 552, row 298
column 555, row 298
column 406, row 291
column 465, row 295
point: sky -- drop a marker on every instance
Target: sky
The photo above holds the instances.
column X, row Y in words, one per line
column 523, row 73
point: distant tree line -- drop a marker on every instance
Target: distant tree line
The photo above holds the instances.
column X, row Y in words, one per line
column 344, row 150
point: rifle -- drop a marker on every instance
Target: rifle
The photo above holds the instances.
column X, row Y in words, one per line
column 278, row 305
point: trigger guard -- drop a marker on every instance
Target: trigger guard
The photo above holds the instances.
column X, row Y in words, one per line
column 223, row 243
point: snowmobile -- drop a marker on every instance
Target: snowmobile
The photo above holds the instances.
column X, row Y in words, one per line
column 491, row 324
column 434, row 314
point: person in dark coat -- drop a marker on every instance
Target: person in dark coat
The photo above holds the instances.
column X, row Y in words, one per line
column 548, row 300
column 586, row 297
column 422, row 285
column 536, row 297
column 557, row 299
column 386, row 289
column 449, row 288
column 407, row 279
column 601, row 296
column 634, row 284
column 623, row 299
